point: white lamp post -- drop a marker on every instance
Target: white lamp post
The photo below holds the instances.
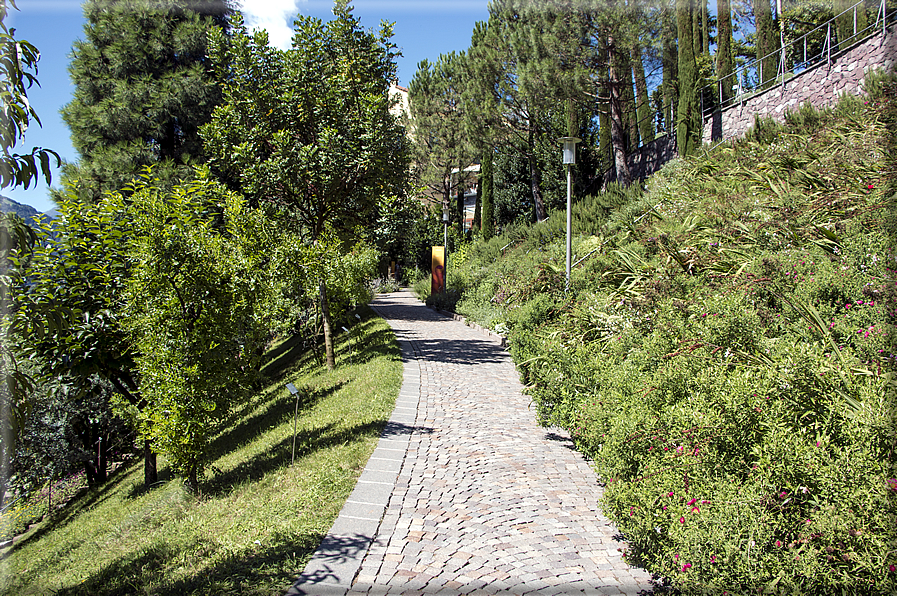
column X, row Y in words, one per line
column 446, row 217
column 569, row 160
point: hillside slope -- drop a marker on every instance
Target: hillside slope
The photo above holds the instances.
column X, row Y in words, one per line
column 726, row 355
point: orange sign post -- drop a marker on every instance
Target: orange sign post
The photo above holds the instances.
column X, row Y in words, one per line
column 437, row 268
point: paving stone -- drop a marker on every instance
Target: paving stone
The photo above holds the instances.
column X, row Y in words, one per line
column 474, row 496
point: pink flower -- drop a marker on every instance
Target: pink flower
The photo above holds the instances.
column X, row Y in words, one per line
column 671, row 494
column 778, row 543
column 682, row 520
column 692, row 502
column 695, row 510
column 712, row 559
column 893, row 483
column 686, row 567
column 892, row 568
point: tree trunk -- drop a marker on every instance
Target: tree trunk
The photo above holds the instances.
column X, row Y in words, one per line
column 150, row 473
column 538, row 202
column 328, row 326
column 617, row 131
column 192, row 480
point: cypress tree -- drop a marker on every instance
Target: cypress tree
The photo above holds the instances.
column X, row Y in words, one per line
column 477, row 208
column 670, row 61
column 627, row 98
column 143, row 87
column 688, row 119
column 767, row 41
column 725, row 65
column 844, row 25
column 488, row 221
column 643, row 107
column 705, row 27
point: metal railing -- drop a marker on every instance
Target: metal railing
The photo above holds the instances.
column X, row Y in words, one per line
column 808, row 50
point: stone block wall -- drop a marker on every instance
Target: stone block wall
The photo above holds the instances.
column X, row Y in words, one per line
column 820, row 85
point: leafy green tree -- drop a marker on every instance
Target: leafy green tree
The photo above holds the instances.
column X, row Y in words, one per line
column 18, row 72
column 143, row 87
column 309, row 130
column 78, row 273
column 670, row 63
column 523, row 65
column 189, row 312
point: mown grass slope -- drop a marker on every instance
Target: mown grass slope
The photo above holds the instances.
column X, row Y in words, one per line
column 257, row 520
column 726, row 353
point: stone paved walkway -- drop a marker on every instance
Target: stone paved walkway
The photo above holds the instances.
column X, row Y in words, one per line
column 465, row 493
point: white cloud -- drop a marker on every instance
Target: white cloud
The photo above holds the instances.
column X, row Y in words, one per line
column 274, row 15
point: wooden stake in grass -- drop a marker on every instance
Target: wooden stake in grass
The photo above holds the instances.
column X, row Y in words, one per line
column 295, row 392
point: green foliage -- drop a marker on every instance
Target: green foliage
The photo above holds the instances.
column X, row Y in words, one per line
column 487, row 191
column 260, row 518
column 190, row 310
column 143, row 87
column 440, row 146
column 309, row 130
column 726, row 355
column 688, row 116
column 18, row 72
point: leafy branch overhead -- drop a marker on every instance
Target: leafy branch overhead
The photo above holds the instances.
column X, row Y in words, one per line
column 18, row 73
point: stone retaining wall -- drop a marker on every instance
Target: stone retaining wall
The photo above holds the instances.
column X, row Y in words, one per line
column 820, row 85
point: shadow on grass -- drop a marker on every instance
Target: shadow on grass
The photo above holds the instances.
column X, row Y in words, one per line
column 87, row 498
column 242, row 432
column 307, row 442
column 371, row 346
column 287, row 355
column 263, row 571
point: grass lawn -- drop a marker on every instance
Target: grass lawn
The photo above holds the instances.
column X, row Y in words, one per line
column 257, row 520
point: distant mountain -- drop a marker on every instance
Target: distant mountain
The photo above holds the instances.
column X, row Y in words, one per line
column 26, row 212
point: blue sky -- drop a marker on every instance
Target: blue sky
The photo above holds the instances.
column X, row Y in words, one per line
column 423, row 29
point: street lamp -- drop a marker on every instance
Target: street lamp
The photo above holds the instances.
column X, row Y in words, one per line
column 445, row 222
column 569, row 160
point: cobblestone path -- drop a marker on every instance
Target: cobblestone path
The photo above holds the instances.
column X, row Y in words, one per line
column 466, row 494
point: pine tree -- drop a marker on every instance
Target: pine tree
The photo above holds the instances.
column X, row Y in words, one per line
column 143, row 87
column 440, row 146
